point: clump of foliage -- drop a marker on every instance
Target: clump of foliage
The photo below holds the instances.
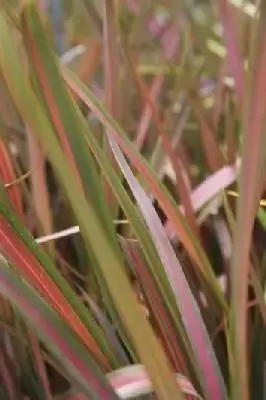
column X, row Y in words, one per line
column 132, row 177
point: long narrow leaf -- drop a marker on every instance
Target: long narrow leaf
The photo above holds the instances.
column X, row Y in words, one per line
column 251, row 184
column 7, row 175
column 164, row 199
column 93, row 233
column 211, row 378
column 33, row 272
column 233, row 48
column 64, row 114
column 55, row 334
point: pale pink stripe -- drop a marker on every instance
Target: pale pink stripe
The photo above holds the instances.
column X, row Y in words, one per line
column 206, row 191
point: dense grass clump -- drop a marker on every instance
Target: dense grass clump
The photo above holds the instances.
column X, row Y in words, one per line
column 132, row 180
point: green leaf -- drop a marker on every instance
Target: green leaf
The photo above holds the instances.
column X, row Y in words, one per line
column 94, row 235
column 261, row 215
column 55, row 334
column 250, row 188
column 62, row 111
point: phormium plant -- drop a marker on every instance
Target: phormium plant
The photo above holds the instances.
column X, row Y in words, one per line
column 132, row 178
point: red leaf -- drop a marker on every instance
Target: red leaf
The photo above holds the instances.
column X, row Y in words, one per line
column 30, row 268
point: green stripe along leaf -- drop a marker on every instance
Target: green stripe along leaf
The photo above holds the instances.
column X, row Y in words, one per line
column 55, row 334
column 93, row 233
